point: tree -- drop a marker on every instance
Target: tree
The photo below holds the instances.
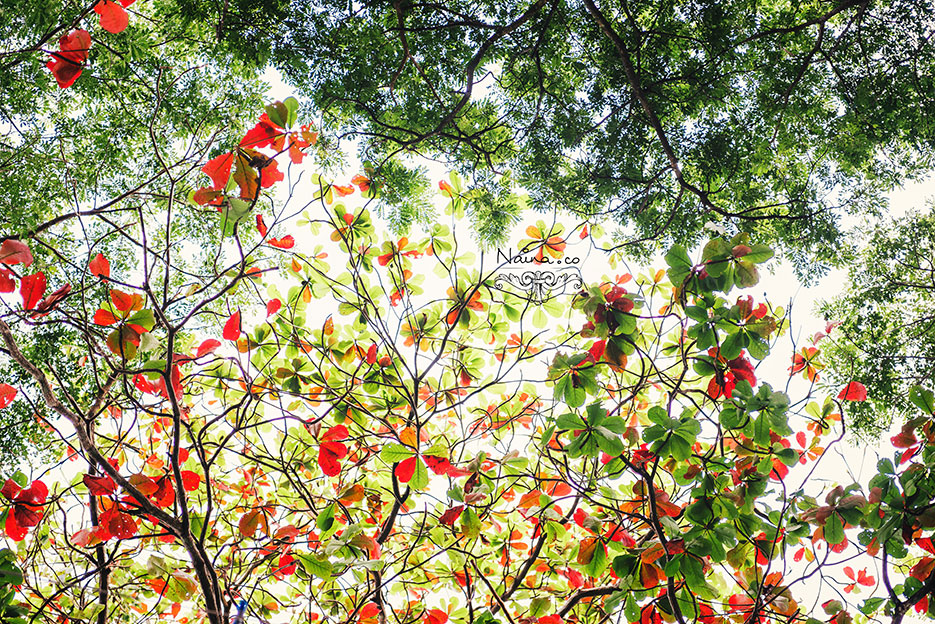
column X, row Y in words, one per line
column 98, row 134
column 775, row 119
column 322, row 433
column 884, row 334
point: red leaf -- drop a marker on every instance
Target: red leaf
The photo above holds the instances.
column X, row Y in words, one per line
column 331, row 451
column 48, row 304
column 13, row 530
column 86, row 537
column 113, row 18
column 7, row 284
column 99, row 266
column 32, row 288
column 219, row 170
column 190, row 480
column 335, row 433
column 272, row 306
column 142, row 384
column 99, row 485
column 261, row 226
column 438, row 465
column 7, row 394
column 208, row 346
column 342, row 191
column 36, row 493
column 232, row 327
column 854, row 391
column 369, row 610
column 264, row 134
column 14, row 252
column 67, row 63
column 328, row 459
column 406, row 468
column 286, row 242
column 164, row 495
column 119, row 524
column 10, row 489
column 451, row 515
column 372, row 354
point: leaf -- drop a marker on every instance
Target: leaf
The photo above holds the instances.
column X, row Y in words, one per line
column 113, row 18
column 746, row 274
column 14, row 252
column 315, row 566
column 119, row 524
column 923, row 399
column 250, row 522
column 395, row 453
column 99, row 266
column 7, row 394
column 99, row 485
column 207, row 347
column 190, row 480
column 854, row 391
column 32, row 288
column 286, row 242
column 126, row 302
column 406, row 469
column 219, row 170
column 451, row 515
column 232, row 329
column 67, row 63
column 587, row 549
column 834, row 529
column 273, row 306
column 470, row 524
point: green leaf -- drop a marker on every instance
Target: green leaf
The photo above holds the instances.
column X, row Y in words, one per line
column 315, row 566
column 570, row 421
column 746, row 274
column 923, row 399
column 395, row 453
column 292, row 107
column 759, row 253
column 470, row 523
column 325, row 519
column 420, row 477
column 834, row 529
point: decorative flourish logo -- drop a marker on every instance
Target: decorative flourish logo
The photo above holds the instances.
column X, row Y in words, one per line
column 552, row 277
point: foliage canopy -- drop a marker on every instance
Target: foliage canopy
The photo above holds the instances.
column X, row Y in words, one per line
column 263, row 405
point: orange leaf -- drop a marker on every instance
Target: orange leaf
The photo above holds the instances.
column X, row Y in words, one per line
column 99, row 266
column 7, row 394
column 219, row 170
column 250, row 522
column 586, row 550
column 104, row 317
column 286, row 242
